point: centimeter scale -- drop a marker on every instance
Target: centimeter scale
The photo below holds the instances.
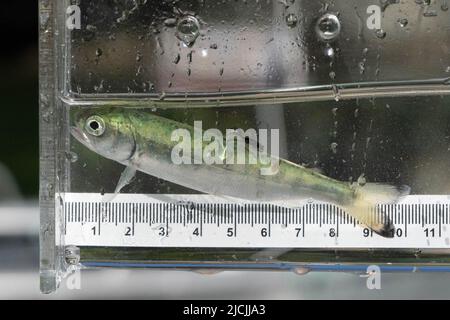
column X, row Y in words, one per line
column 205, row 221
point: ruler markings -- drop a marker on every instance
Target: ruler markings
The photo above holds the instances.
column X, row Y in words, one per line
column 424, row 224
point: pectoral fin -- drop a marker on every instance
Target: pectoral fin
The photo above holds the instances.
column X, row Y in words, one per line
column 126, row 178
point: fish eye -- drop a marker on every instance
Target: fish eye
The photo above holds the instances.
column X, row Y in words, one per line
column 95, row 126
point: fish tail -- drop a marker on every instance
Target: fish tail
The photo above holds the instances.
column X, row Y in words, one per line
column 364, row 210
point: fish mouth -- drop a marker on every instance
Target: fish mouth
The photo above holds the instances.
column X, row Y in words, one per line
column 80, row 136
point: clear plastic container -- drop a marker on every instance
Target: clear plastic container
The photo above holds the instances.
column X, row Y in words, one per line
column 353, row 92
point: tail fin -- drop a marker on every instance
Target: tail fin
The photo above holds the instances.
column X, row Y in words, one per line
column 367, row 198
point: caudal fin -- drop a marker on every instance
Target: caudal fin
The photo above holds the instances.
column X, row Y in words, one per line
column 367, row 198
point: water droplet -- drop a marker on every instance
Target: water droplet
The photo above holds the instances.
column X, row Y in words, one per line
column 50, row 190
column 301, row 271
column 423, row 2
column 430, row 13
column 332, row 75
column 328, row 27
column 329, row 52
column 362, row 67
column 170, row 22
column 140, row 70
column 188, row 30
column 291, row 20
column 403, row 22
column 336, row 93
column 380, row 33
column 417, row 253
column 207, row 272
column 362, row 180
column 91, row 28
column 46, row 116
column 99, row 52
column 333, row 147
column 177, row 59
column 72, row 156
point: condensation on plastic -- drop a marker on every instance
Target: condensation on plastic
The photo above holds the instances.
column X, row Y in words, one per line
column 253, row 49
column 217, row 54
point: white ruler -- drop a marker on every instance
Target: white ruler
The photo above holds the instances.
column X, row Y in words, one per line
column 204, row 221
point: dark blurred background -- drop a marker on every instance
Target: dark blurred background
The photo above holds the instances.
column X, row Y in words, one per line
column 19, row 135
